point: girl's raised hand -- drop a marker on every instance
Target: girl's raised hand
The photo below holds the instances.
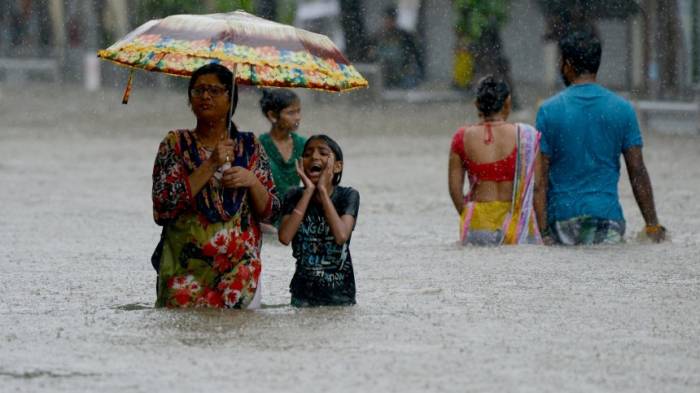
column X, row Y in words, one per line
column 304, row 179
column 326, row 179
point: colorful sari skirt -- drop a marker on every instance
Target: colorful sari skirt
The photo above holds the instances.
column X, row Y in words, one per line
column 487, row 222
column 215, row 265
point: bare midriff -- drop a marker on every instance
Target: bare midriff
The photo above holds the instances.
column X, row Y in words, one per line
column 487, row 191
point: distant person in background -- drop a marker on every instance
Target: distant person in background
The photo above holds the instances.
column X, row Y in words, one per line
column 585, row 128
column 282, row 108
column 396, row 50
column 489, row 57
column 505, row 201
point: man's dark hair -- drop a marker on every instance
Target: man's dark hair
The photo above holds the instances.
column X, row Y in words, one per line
column 582, row 50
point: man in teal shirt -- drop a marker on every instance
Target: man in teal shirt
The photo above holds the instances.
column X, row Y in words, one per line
column 585, row 128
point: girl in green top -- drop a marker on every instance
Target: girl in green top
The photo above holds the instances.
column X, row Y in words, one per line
column 283, row 146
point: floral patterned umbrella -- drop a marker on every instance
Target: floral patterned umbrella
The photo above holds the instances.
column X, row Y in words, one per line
column 259, row 51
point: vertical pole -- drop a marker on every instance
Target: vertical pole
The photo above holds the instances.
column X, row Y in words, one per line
column 33, row 29
column 695, row 42
column 667, row 57
column 636, row 53
column 91, row 64
column 119, row 14
column 91, row 23
column 695, row 58
column 5, row 23
column 234, row 88
column 653, row 39
column 58, row 28
column 234, row 101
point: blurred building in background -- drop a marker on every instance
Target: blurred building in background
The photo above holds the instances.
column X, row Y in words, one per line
column 39, row 37
column 654, row 52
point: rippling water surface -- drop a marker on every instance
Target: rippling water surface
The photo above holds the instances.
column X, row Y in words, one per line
column 77, row 288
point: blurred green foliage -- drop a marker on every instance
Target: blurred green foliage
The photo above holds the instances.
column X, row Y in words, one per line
column 475, row 15
column 286, row 11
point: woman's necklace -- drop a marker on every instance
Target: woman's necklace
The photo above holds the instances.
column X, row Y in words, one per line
column 488, row 124
column 209, row 146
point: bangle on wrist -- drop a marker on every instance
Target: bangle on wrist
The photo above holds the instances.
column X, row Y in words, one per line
column 652, row 229
column 297, row 211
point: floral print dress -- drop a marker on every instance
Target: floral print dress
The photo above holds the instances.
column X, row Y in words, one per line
column 209, row 255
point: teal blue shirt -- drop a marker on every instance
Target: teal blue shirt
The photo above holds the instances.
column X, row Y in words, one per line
column 585, row 128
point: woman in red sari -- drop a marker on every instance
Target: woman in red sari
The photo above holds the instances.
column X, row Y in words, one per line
column 506, row 192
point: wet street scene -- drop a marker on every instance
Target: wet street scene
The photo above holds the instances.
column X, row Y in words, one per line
column 82, row 184
column 78, row 288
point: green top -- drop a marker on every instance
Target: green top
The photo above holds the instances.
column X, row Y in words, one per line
column 284, row 172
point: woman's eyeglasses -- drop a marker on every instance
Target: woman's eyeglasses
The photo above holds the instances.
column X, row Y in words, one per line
column 214, row 91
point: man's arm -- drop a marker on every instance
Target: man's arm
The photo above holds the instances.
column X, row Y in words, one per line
column 643, row 194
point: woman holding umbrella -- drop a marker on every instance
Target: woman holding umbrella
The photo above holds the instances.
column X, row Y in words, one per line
column 211, row 190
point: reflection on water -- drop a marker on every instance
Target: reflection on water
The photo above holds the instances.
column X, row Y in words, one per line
column 77, row 287
column 133, row 307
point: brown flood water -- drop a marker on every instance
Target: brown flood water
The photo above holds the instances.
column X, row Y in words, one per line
column 77, row 288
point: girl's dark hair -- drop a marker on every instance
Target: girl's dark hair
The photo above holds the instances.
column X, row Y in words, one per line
column 225, row 76
column 335, row 148
column 491, row 95
column 276, row 100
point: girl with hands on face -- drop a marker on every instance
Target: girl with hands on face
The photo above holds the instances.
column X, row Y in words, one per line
column 318, row 219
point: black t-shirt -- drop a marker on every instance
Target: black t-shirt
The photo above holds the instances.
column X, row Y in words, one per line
column 324, row 274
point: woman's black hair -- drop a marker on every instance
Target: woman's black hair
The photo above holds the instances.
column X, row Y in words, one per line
column 276, row 100
column 335, row 148
column 491, row 95
column 225, row 76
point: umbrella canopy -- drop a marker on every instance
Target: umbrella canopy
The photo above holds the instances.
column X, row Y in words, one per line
column 261, row 52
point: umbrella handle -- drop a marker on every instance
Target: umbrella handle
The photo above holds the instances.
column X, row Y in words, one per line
column 233, row 94
column 227, row 165
column 127, row 89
